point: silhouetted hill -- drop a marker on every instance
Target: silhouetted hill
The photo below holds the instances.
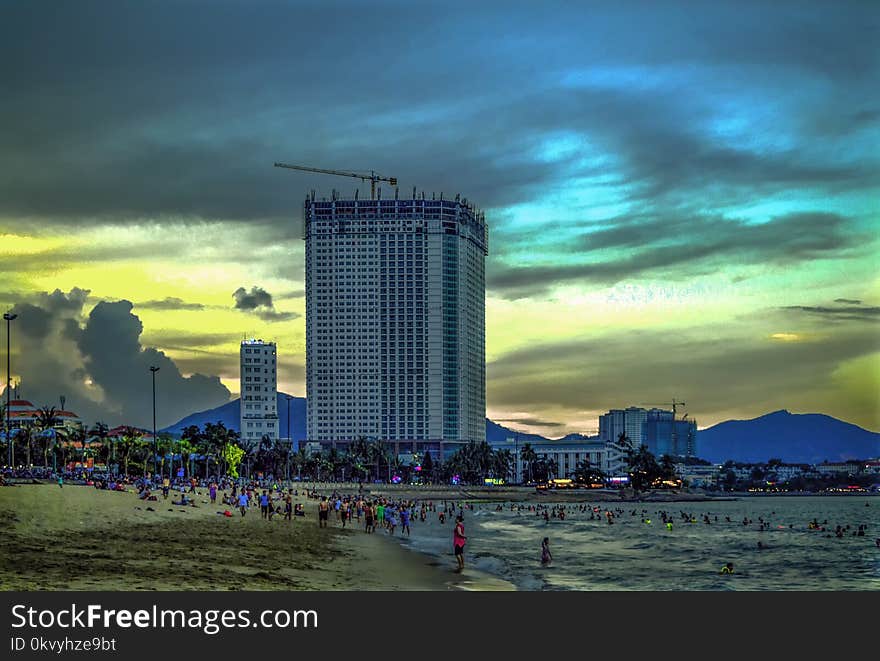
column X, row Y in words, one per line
column 792, row 437
column 497, row 433
column 229, row 415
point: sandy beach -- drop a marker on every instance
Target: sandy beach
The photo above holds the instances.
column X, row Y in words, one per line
column 79, row 538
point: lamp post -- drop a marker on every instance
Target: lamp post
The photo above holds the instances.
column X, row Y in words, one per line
column 8, row 317
column 154, row 369
column 289, row 440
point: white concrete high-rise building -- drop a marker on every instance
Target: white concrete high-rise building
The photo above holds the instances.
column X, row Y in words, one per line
column 627, row 421
column 395, row 320
column 259, row 391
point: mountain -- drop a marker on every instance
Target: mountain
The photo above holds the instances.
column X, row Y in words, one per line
column 497, row 433
column 793, row 437
column 230, row 412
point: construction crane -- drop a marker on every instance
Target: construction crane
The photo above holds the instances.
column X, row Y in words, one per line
column 372, row 177
column 674, row 431
column 674, row 406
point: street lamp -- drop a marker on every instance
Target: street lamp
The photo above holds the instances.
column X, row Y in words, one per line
column 8, row 317
column 289, row 440
column 155, row 440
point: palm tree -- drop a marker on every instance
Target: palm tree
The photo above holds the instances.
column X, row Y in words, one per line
column 101, row 431
column 47, row 418
column 300, row 458
column 78, row 435
column 587, row 472
column 529, row 457
column 501, row 463
column 186, row 449
column 428, row 467
column 165, row 446
column 376, row 453
column 644, row 469
column 129, row 443
column 194, row 442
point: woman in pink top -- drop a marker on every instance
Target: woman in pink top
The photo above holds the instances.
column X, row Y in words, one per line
column 458, row 540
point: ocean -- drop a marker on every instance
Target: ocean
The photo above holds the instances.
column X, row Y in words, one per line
column 631, row 554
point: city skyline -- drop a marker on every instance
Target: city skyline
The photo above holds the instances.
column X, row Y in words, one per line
column 682, row 201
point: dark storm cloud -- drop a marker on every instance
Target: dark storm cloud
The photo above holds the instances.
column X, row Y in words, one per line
column 115, row 359
column 128, row 127
column 169, row 303
column 256, row 298
column 56, row 350
column 691, row 245
column 259, row 301
column 45, row 357
column 854, row 312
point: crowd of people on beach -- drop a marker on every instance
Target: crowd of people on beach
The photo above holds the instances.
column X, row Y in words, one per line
column 395, row 517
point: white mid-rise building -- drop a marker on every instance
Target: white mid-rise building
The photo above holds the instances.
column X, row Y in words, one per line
column 395, row 320
column 259, row 391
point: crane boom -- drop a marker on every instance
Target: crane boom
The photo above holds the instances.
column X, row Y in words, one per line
column 372, row 177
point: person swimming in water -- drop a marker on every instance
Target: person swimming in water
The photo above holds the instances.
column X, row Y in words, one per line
column 546, row 556
column 727, row 569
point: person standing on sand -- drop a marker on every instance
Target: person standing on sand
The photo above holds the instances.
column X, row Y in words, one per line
column 458, row 541
column 368, row 517
column 60, row 481
column 264, row 504
column 323, row 512
column 243, row 503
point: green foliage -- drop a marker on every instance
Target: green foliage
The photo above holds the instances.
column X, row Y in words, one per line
column 232, row 455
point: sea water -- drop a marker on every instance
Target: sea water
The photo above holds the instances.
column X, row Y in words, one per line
column 631, row 554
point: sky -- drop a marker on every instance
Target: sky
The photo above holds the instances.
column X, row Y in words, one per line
column 682, row 197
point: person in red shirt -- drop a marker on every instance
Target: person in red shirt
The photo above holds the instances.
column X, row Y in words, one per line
column 458, row 541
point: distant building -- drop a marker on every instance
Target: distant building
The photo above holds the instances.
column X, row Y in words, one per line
column 605, row 456
column 840, row 468
column 259, row 391
column 663, row 435
column 627, row 421
column 703, row 477
column 651, row 427
column 24, row 414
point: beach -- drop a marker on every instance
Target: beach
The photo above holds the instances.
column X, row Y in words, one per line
column 80, row 538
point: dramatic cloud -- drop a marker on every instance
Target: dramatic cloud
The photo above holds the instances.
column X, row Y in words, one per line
column 99, row 365
column 256, row 298
column 259, row 301
column 679, row 248
column 723, row 152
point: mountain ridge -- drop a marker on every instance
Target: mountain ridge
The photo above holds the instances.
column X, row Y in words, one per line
column 792, row 437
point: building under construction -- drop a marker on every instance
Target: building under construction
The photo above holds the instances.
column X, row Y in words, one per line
column 395, row 321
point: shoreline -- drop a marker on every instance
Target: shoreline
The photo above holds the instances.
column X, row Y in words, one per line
column 80, row 538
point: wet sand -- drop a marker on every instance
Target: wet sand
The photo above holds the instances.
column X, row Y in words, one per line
column 79, row 538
